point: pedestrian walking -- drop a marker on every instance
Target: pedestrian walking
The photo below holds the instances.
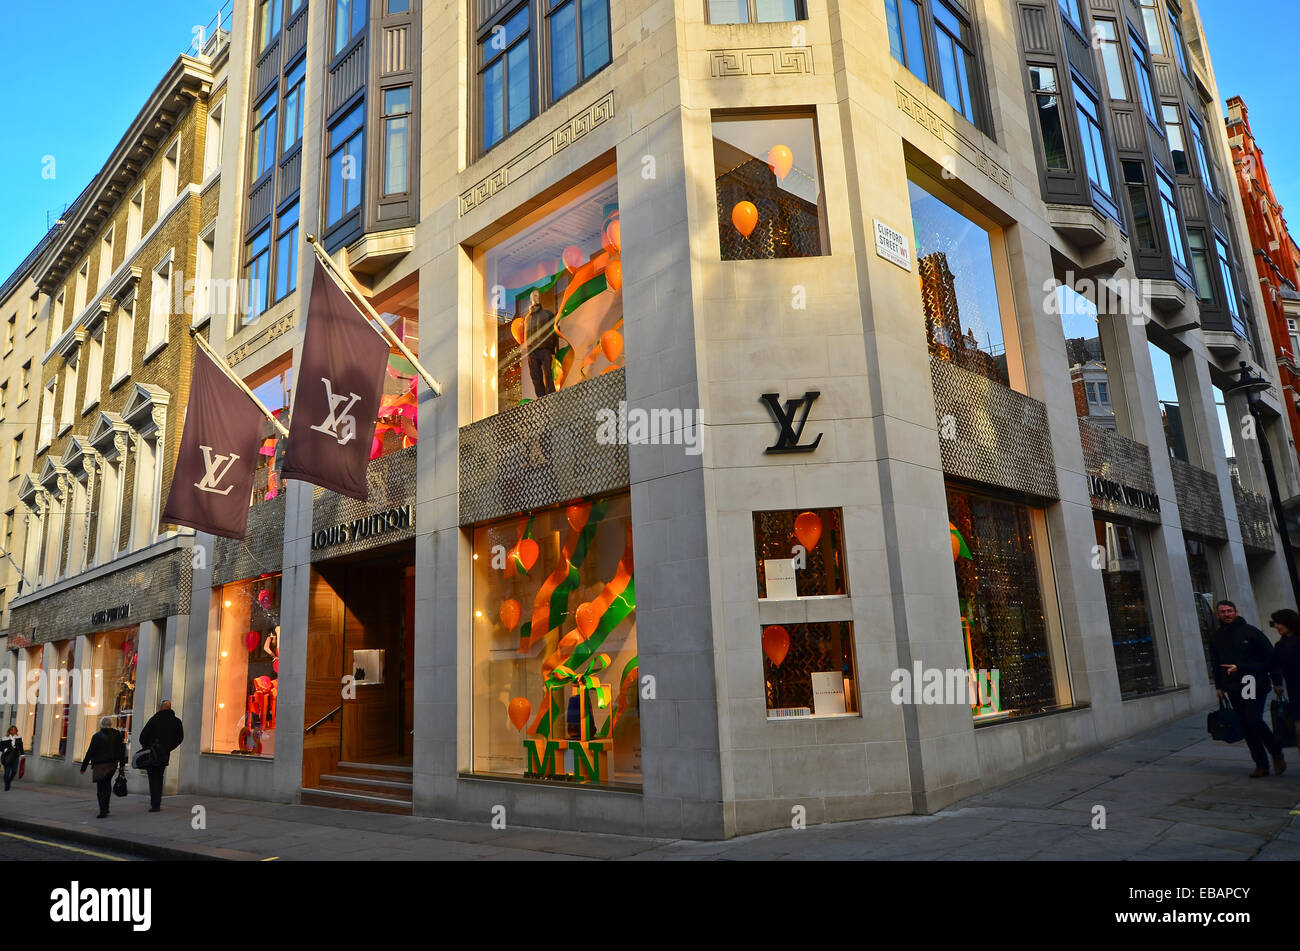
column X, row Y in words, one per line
column 1243, row 662
column 1286, row 657
column 162, row 734
column 11, row 751
column 105, row 756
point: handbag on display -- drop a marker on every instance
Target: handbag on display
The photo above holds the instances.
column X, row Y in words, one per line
column 119, row 784
column 1283, row 721
column 1224, row 724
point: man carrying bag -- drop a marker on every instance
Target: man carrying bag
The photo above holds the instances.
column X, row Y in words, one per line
column 162, row 734
column 1243, row 661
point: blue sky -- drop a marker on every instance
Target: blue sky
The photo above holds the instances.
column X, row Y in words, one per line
column 75, row 74
column 75, row 79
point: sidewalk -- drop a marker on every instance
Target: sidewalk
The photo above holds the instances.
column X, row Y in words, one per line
column 1168, row 794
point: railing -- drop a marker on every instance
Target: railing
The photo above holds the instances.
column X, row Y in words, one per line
column 209, row 37
column 312, row 729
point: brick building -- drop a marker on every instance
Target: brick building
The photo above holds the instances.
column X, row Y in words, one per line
column 1276, row 256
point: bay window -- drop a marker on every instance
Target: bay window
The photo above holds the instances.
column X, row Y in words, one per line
column 1139, row 199
column 1201, row 270
column 936, row 42
column 1142, row 72
column 1173, row 224
column 1202, row 156
column 345, row 163
column 1176, row 40
column 1151, row 22
column 397, row 118
column 1047, row 102
column 1112, row 63
column 1094, row 146
column 1174, row 133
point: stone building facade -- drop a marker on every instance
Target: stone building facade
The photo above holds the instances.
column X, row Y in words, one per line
column 668, row 553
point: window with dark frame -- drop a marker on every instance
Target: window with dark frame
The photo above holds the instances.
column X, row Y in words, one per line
column 286, row 252
column 268, row 22
column 1047, row 102
column 936, row 42
column 1173, row 220
column 1201, row 270
column 345, row 164
column 264, row 138
column 257, row 273
column 1174, row 134
column 1142, row 71
column 1151, row 22
column 1070, row 10
column 397, row 118
column 1176, row 40
column 1094, row 145
column 349, row 21
column 756, row 11
column 506, row 76
column 293, row 103
column 1139, row 199
column 1229, row 286
column 1202, row 156
column 1112, row 62
column 578, row 32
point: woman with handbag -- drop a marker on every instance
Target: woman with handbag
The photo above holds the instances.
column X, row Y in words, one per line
column 11, row 752
column 1286, row 658
column 105, row 755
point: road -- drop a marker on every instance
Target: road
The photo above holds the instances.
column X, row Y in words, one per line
column 25, row 847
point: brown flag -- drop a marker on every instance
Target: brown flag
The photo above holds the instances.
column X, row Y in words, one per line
column 336, row 401
column 218, row 456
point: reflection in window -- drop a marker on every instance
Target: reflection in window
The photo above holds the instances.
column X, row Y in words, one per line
column 1086, row 357
column 349, row 21
column 1202, row 157
column 114, row 653
column 579, row 42
column 1004, row 621
column 286, row 249
column 1047, row 98
column 59, row 704
column 1176, row 38
column 963, row 322
column 1173, row 224
column 552, row 301
column 1201, row 264
column 257, row 274
column 799, row 554
column 756, row 11
column 346, row 161
column 1174, row 132
column 264, row 137
column 1167, row 394
column 293, row 103
column 248, row 668
column 555, row 675
column 1111, row 61
column 1139, row 199
column 906, row 38
column 1151, row 22
column 954, row 42
column 1199, row 557
column 1230, row 287
column 1143, row 75
column 1094, row 146
column 1229, row 434
column 1142, row 666
column 770, row 202
column 397, row 111
column 808, row 670
column 1070, row 8
column 505, row 78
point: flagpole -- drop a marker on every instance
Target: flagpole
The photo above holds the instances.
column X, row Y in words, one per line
column 344, row 281
column 225, row 367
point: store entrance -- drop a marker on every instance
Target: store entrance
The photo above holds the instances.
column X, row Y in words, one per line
column 360, row 675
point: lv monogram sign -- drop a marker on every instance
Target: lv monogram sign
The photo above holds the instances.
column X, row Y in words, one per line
column 788, row 432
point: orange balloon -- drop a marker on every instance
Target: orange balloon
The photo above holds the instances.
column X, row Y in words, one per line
column 586, row 617
column 510, row 612
column 520, row 709
column 517, row 330
column 780, row 160
column 808, row 529
column 577, row 515
column 776, row 643
column 611, row 342
column 745, row 217
column 615, row 232
column 614, row 274
column 572, row 257
column 527, row 551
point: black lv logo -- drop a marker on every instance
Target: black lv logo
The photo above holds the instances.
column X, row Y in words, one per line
column 787, row 439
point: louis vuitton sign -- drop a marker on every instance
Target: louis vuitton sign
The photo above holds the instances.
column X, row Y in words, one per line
column 1113, row 491
column 367, row 526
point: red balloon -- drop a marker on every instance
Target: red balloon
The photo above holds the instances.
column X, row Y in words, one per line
column 520, row 709
column 808, row 529
column 745, row 217
column 776, row 643
column 577, row 515
column 252, row 639
column 573, row 257
column 527, row 551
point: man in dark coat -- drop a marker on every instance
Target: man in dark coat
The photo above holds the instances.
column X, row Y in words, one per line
column 106, row 755
column 539, row 330
column 163, row 733
column 1243, row 661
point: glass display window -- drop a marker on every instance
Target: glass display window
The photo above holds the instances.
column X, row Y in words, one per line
column 1207, row 585
column 555, row 678
column 963, row 286
column 1085, row 353
column 32, row 659
column 59, row 703
column 808, row 670
column 1133, row 604
column 800, row 554
column 771, row 203
column 1009, row 619
column 247, row 669
column 398, row 416
column 276, row 393
column 112, row 658
column 550, row 299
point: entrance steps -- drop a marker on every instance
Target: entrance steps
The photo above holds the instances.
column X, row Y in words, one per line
column 370, row 787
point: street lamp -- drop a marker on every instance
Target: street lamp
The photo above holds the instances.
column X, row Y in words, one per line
column 1251, row 386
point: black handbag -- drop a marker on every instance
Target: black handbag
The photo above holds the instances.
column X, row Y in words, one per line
column 1283, row 721
column 119, row 784
column 145, row 759
column 1224, row 724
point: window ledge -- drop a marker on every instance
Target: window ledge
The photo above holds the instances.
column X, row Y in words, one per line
column 815, row 716
column 118, row 381
column 89, row 406
column 154, row 350
column 63, row 428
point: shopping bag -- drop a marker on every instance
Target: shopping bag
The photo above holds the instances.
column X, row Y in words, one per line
column 1224, row 724
column 1283, row 721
